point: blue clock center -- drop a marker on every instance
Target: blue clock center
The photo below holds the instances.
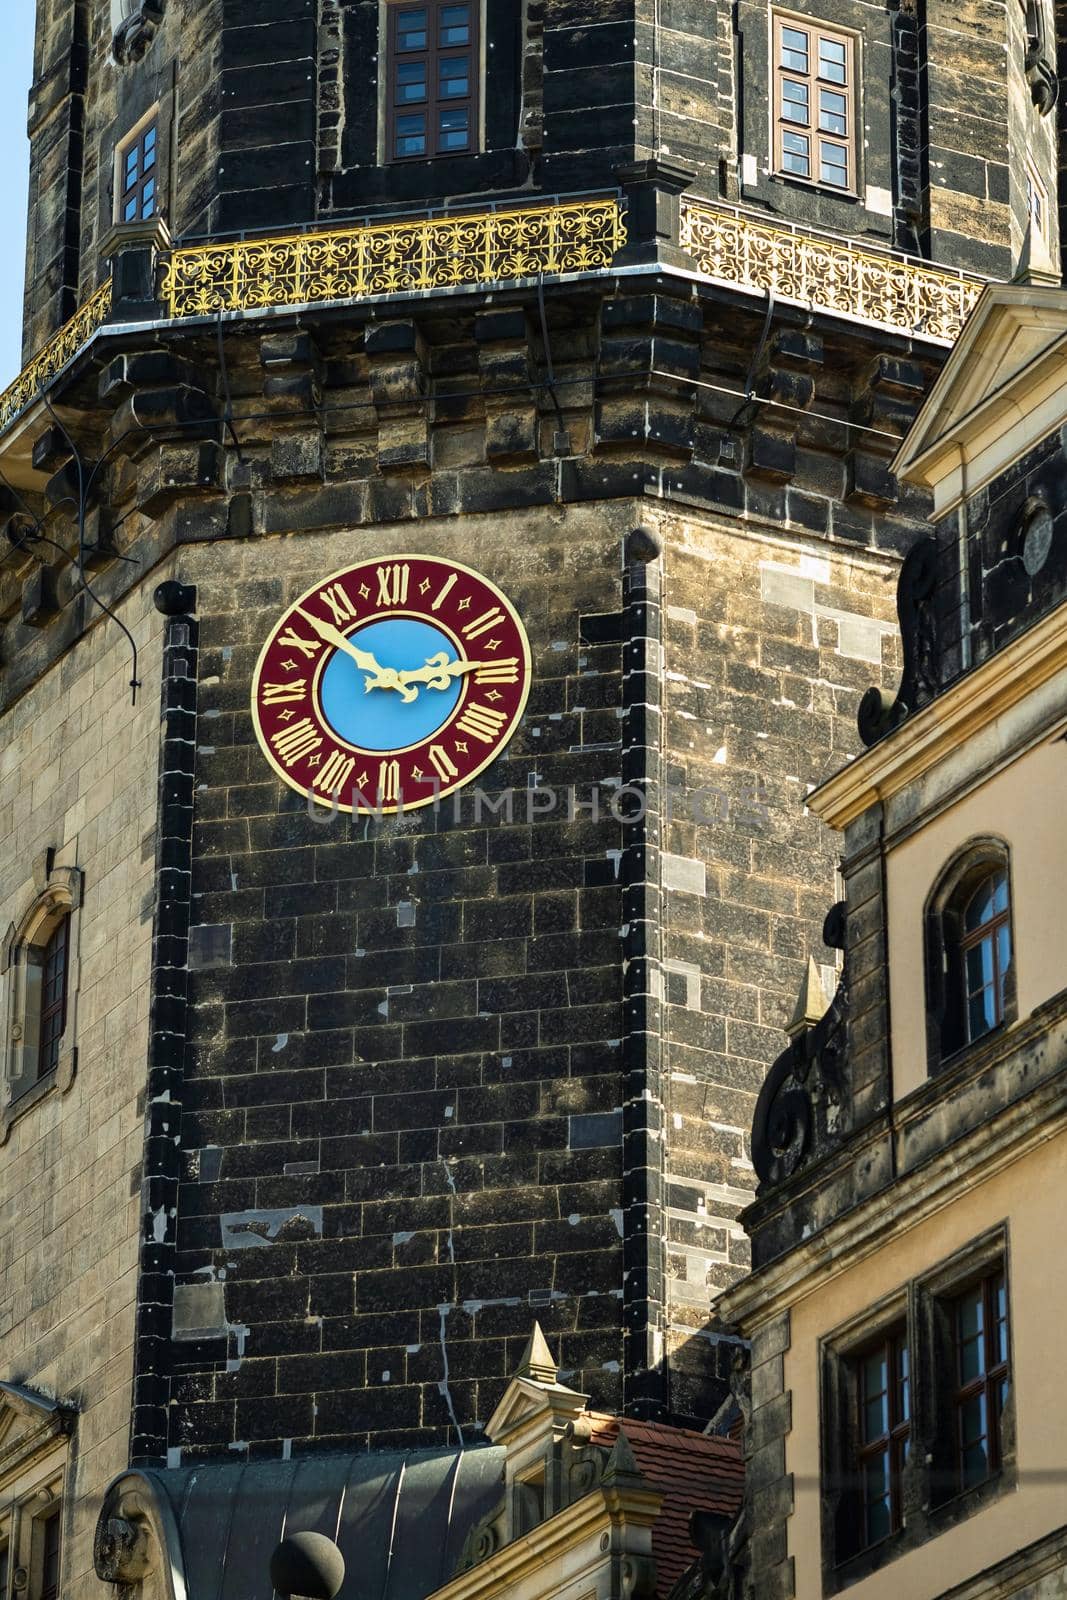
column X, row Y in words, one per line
column 379, row 719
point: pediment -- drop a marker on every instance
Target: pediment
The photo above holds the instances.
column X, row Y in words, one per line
column 29, row 1424
column 525, row 1401
column 1012, row 350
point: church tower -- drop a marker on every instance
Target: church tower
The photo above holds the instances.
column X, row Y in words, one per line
column 448, row 523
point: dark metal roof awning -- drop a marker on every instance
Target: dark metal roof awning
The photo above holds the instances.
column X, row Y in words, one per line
column 400, row 1518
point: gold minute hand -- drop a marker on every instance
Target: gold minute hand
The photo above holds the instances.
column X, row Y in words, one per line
column 383, row 677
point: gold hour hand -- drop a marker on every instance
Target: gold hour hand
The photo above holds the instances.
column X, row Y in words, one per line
column 439, row 672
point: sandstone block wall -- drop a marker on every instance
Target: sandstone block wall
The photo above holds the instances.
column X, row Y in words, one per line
column 78, row 773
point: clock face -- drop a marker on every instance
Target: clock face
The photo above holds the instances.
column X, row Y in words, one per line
column 391, row 683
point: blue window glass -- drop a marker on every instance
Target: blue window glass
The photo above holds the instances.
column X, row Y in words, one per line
column 981, row 1339
column 410, row 81
column 139, row 180
column 411, row 135
column 794, row 101
column 987, row 954
column 795, row 49
column 411, row 31
column 796, row 154
column 454, row 79
column 883, row 1400
column 833, row 164
column 454, row 130
column 455, row 26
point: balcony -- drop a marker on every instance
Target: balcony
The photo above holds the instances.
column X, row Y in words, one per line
column 839, row 277
column 567, row 238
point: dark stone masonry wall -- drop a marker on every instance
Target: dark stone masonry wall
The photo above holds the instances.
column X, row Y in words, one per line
column 403, row 1091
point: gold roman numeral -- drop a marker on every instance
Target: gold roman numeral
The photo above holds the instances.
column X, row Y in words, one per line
column 449, row 584
column 481, row 722
column 292, row 744
column 332, row 778
column 482, row 624
column 292, row 641
column 339, row 603
column 388, row 782
column 499, row 671
column 393, row 585
column 442, row 762
column 277, row 694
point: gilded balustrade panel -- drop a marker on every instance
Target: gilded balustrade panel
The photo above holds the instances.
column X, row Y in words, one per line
column 427, row 253
column 55, row 355
column 828, row 275
column 393, row 258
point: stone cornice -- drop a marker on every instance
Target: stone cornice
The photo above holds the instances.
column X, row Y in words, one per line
column 941, row 728
column 998, row 1138
column 582, row 1524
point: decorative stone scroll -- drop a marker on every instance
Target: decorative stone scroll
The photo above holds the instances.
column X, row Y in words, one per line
column 881, row 712
column 134, row 24
column 797, row 1105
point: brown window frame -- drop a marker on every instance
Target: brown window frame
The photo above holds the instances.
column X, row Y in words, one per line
column 144, row 143
column 431, row 57
column 995, row 1371
column 53, row 1017
column 892, row 1443
column 814, row 85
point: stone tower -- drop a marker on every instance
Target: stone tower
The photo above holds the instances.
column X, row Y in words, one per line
column 622, row 310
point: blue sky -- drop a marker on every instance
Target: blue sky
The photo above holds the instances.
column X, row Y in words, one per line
column 16, row 70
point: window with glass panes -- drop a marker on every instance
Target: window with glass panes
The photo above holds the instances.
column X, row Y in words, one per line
column 54, row 966
column 883, row 1404
column 433, row 79
column 985, row 945
column 815, row 104
column 980, row 1330
column 138, row 175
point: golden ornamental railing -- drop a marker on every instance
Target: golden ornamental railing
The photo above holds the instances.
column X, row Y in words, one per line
column 826, row 274
column 450, row 252
column 393, row 258
column 55, row 355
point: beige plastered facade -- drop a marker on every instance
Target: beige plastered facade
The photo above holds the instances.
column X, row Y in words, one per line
column 1017, row 1197
column 78, row 775
column 1023, row 806
column 987, row 757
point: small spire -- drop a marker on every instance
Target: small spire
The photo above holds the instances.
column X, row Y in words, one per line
column 621, row 1463
column 537, row 1362
column 813, row 1002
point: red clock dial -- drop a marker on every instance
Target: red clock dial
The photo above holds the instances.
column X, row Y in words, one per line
column 391, row 683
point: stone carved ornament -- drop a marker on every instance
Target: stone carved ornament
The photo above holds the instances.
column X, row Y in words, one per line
column 806, row 1085
column 881, row 712
column 133, row 26
column 137, row 1547
column 1040, row 61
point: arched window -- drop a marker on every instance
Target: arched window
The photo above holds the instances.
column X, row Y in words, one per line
column 970, row 958
column 38, row 993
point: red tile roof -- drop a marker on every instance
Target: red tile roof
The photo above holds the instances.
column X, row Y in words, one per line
column 694, row 1473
